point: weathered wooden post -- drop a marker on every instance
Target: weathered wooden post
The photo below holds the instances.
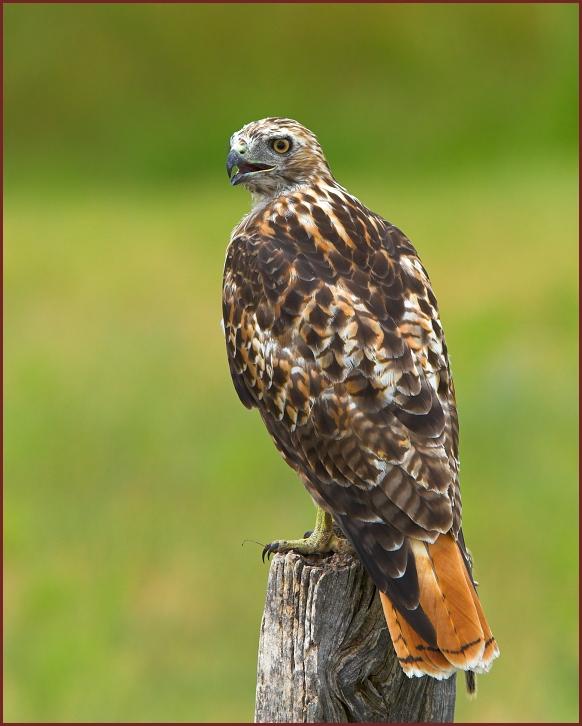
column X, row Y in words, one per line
column 325, row 654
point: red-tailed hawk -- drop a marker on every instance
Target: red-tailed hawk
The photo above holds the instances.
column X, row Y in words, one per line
column 333, row 333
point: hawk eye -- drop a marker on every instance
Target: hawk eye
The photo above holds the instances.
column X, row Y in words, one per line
column 281, row 146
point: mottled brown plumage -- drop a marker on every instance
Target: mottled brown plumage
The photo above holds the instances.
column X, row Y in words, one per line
column 333, row 333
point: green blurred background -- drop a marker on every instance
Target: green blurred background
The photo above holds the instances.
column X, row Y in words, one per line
column 132, row 473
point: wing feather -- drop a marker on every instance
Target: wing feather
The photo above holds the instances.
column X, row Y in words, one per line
column 333, row 333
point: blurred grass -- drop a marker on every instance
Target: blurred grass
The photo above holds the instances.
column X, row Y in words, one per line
column 132, row 472
column 154, row 92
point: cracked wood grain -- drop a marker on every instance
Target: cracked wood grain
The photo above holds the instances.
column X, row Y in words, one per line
column 325, row 654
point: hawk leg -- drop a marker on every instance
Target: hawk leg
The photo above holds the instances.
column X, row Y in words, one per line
column 321, row 540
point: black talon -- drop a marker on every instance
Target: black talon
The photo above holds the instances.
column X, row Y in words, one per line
column 308, row 533
column 269, row 549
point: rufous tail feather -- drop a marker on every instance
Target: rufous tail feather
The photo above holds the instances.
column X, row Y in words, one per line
column 448, row 598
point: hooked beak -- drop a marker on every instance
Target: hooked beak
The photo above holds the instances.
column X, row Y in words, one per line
column 237, row 167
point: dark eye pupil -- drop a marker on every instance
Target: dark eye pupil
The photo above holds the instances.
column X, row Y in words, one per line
column 282, row 145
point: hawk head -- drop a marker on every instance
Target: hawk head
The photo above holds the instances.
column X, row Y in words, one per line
column 274, row 154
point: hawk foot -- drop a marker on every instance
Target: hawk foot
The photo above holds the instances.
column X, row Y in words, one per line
column 307, row 546
column 321, row 540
